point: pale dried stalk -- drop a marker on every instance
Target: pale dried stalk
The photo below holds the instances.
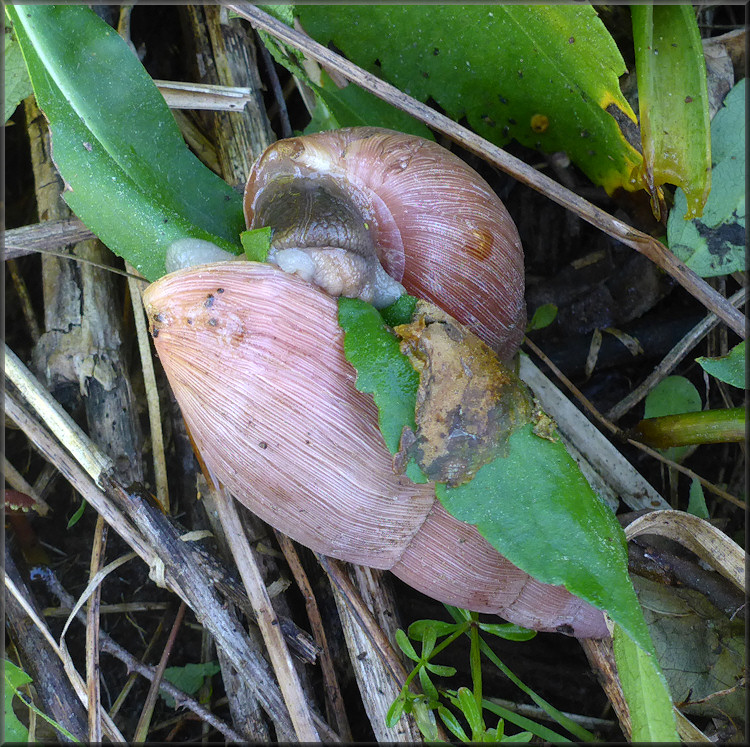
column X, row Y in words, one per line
column 336, row 709
column 377, row 667
column 152, row 393
column 204, row 96
column 92, row 634
column 705, row 540
column 266, row 619
column 616, row 431
column 524, row 173
column 141, row 730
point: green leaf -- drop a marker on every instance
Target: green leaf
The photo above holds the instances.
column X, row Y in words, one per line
column 697, row 501
column 673, row 102
column 452, row 724
column 76, row 517
column 17, row 83
column 673, row 395
column 395, row 711
column 544, row 75
column 556, row 715
column 646, row 692
column 536, row 508
column 508, row 631
column 468, row 705
column 129, row 175
column 427, row 687
column 405, row 645
column 425, row 719
column 382, row 370
column 352, row 106
column 729, row 368
column 532, row 728
column 429, row 637
column 189, row 678
column 543, row 317
column 14, row 730
column 715, row 244
column 441, row 670
column 441, row 628
column 15, row 678
column 257, row 243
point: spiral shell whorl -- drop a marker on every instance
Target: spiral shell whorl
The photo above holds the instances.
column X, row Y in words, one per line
column 439, row 228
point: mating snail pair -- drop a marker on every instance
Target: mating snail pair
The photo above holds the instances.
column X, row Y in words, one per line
column 255, row 357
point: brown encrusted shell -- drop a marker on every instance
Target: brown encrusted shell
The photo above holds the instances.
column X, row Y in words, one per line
column 255, row 359
column 439, row 228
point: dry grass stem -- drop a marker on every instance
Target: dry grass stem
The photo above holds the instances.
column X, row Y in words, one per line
column 622, row 436
column 152, row 393
column 266, row 619
column 141, row 730
column 334, row 701
column 93, row 676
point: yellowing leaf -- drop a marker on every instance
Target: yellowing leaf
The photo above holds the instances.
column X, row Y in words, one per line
column 673, row 103
column 546, row 75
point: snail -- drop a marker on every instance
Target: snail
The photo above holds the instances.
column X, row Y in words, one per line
column 254, row 355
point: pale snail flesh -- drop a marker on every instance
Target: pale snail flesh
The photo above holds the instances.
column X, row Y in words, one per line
column 255, row 358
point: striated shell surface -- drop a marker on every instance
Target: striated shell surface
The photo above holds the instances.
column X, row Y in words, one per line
column 255, row 359
column 438, row 227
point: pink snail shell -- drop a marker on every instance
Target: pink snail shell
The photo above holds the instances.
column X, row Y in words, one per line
column 255, row 359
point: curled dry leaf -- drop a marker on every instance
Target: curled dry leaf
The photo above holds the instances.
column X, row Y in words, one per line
column 705, row 540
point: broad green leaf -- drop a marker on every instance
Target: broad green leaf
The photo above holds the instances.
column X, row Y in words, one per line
column 189, row 678
column 649, row 702
column 673, row 395
column 536, row 508
column 15, row 677
column 714, row 244
column 543, row 317
column 129, row 175
column 17, row 85
column 729, row 368
column 673, row 102
column 544, row 75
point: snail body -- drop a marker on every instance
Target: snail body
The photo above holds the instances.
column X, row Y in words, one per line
column 255, row 358
column 436, row 226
